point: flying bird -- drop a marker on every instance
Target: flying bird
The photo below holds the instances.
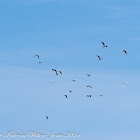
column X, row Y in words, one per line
column 37, row 56
column 73, row 80
column 40, row 62
column 70, row 91
column 57, row 72
column 47, row 117
column 124, row 84
column 124, row 51
column 89, row 86
column 89, row 74
column 99, row 57
column 104, row 44
column 66, row 96
column 89, row 96
column 100, row 95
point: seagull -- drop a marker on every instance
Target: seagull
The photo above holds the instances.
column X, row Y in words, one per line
column 66, row 96
column 100, row 95
column 99, row 57
column 70, row 91
column 89, row 86
column 124, row 51
column 124, row 84
column 40, row 62
column 89, row 74
column 89, row 96
column 104, row 44
column 47, row 117
column 57, row 72
column 37, row 56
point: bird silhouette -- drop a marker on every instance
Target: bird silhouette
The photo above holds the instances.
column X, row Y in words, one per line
column 124, row 84
column 99, row 57
column 89, row 86
column 104, row 45
column 70, row 91
column 37, row 56
column 57, row 72
column 40, row 62
column 89, row 74
column 89, row 96
column 66, row 96
column 124, row 51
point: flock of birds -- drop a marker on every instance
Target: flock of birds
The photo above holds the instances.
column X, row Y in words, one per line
column 57, row 72
column 105, row 46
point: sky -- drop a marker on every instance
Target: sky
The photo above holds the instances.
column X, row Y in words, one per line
column 67, row 35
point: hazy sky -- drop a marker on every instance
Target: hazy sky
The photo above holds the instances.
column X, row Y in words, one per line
column 67, row 35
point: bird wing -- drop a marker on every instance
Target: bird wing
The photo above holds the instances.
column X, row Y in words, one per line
column 126, row 52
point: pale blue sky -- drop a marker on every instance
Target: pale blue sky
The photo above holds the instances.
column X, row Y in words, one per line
column 67, row 35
